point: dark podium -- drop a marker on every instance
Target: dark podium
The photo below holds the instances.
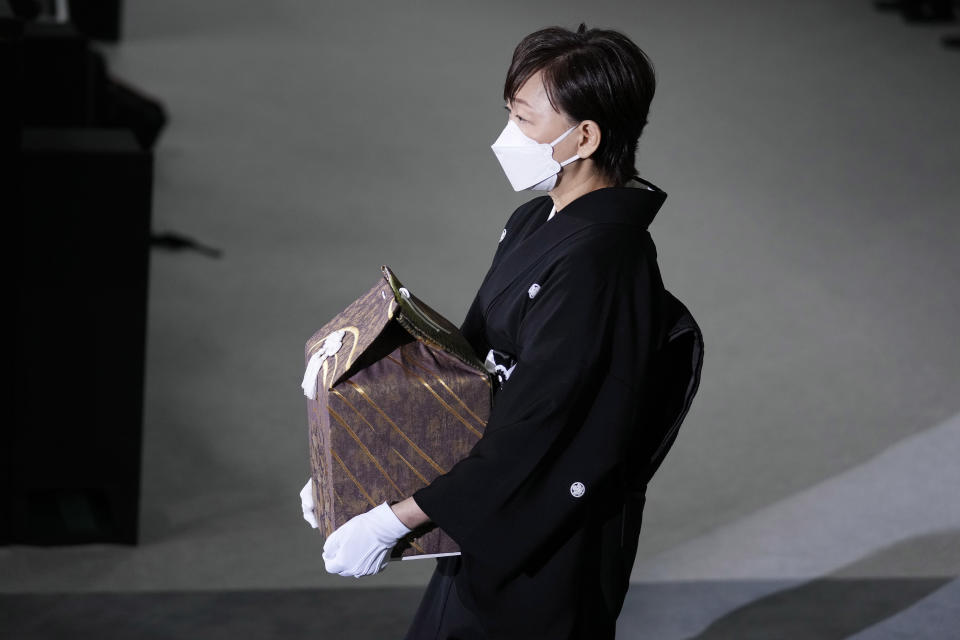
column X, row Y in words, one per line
column 75, row 193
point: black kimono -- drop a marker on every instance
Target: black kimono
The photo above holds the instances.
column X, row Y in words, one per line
column 544, row 507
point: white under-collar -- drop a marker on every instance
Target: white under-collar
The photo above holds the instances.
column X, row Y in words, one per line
column 636, row 184
column 553, row 210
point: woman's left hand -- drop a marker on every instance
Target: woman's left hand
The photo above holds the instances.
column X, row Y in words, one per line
column 306, row 503
column 360, row 546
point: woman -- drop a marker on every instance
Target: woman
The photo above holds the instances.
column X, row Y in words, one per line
column 569, row 315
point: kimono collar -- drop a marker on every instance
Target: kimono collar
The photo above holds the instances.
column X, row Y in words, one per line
column 637, row 202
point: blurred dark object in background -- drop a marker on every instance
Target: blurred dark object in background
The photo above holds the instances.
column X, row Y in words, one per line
column 117, row 104
column 98, row 19
column 925, row 11
column 25, row 9
column 66, row 83
column 75, row 190
column 172, row 241
column 920, row 10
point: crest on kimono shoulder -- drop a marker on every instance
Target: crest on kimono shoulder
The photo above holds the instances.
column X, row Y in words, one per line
column 577, row 489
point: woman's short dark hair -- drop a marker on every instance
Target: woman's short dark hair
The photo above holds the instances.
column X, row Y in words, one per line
column 593, row 74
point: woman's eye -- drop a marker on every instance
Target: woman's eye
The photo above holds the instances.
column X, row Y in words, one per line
column 513, row 114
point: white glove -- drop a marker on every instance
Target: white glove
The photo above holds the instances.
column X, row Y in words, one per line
column 306, row 503
column 360, row 546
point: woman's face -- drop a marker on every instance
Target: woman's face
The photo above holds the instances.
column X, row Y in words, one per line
column 532, row 112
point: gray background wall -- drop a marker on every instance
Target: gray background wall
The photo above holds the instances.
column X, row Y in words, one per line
column 809, row 150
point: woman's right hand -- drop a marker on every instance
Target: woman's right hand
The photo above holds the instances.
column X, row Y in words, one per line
column 306, row 503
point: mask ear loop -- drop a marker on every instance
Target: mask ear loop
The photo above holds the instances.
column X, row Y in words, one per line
column 564, row 134
column 575, row 156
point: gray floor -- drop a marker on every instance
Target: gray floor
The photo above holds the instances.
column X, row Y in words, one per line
column 809, row 150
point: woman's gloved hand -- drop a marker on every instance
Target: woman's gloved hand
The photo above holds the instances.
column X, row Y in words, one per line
column 306, row 503
column 360, row 546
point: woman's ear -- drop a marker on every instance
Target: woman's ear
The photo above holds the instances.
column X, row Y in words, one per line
column 589, row 138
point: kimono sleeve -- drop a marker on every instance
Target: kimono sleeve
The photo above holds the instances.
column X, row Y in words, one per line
column 558, row 427
column 472, row 325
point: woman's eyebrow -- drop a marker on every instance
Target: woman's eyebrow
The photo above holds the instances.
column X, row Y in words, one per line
column 527, row 113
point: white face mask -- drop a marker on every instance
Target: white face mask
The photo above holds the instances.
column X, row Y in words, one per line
column 528, row 164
